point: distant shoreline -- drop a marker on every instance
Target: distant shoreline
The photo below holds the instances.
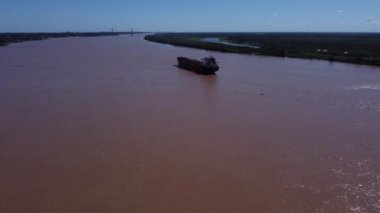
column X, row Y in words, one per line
column 8, row 38
column 356, row 48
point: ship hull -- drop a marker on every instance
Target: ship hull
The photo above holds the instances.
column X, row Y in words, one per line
column 196, row 66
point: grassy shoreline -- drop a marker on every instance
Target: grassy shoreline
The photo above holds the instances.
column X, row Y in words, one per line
column 357, row 48
column 8, row 38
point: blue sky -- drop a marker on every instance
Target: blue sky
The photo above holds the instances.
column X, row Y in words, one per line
column 190, row 15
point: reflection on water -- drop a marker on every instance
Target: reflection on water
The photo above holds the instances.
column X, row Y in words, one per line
column 367, row 87
column 121, row 129
column 210, row 82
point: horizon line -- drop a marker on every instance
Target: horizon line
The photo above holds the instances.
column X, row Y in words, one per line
column 126, row 32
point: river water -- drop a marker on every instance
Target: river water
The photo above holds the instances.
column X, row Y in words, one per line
column 108, row 124
column 219, row 41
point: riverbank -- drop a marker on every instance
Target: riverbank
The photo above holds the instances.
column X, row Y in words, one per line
column 7, row 38
column 357, row 48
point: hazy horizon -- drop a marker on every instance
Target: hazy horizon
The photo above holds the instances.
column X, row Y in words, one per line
column 126, row 31
column 190, row 16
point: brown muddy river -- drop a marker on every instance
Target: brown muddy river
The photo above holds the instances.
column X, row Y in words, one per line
column 108, row 124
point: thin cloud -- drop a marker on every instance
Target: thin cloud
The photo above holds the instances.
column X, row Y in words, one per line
column 371, row 20
column 304, row 24
column 340, row 11
column 274, row 15
column 271, row 24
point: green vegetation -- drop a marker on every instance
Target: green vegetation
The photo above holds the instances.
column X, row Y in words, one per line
column 7, row 38
column 358, row 48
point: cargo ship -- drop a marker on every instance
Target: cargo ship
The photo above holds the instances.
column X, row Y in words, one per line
column 206, row 66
